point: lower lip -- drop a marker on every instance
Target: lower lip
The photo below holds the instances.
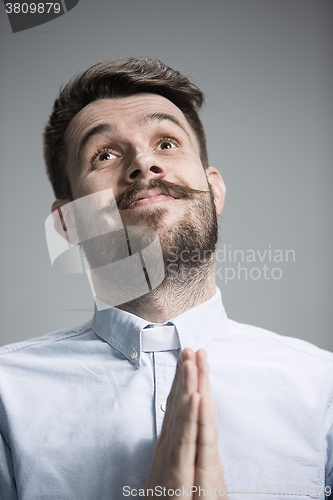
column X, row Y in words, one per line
column 151, row 200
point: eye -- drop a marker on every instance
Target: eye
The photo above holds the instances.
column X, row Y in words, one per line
column 166, row 143
column 103, row 155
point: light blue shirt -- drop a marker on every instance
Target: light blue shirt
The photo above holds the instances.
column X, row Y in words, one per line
column 81, row 409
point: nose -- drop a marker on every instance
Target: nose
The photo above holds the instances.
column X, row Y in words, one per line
column 144, row 166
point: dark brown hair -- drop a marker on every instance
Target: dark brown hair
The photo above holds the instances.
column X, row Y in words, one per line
column 121, row 77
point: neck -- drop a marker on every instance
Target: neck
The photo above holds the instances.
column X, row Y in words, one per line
column 172, row 297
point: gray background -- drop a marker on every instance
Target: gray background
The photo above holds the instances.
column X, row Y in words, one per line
column 266, row 69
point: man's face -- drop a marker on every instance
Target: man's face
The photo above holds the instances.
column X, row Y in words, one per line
column 145, row 150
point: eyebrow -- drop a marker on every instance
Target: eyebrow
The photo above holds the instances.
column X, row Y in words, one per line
column 102, row 128
column 159, row 117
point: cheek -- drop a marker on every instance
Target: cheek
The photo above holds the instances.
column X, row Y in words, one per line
column 94, row 183
column 192, row 174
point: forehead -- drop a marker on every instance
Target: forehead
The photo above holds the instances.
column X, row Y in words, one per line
column 121, row 112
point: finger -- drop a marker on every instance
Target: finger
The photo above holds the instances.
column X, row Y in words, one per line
column 188, row 355
column 188, row 427
column 184, row 385
column 207, row 450
column 203, row 373
column 182, row 377
column 180, row 430
column 190, row 378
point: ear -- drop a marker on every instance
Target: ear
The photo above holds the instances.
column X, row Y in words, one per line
column 218, row 187
column 64, row 221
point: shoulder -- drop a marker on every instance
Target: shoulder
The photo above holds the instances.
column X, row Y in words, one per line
column 266, row 339
column 46, row 341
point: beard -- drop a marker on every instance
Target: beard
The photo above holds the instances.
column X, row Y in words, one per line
column 187, row 246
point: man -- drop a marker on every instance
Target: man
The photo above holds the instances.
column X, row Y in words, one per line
column 83, row 411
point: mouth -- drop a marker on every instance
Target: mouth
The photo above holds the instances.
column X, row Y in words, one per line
column 145, row 198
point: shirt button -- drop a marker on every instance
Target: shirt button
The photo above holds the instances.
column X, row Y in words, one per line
column 163, row 406
column 134, row 354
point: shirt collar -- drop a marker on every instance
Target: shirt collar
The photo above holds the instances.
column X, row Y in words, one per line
column 195, row 327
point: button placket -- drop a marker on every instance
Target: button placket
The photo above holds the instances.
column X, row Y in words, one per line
column 165, row 368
